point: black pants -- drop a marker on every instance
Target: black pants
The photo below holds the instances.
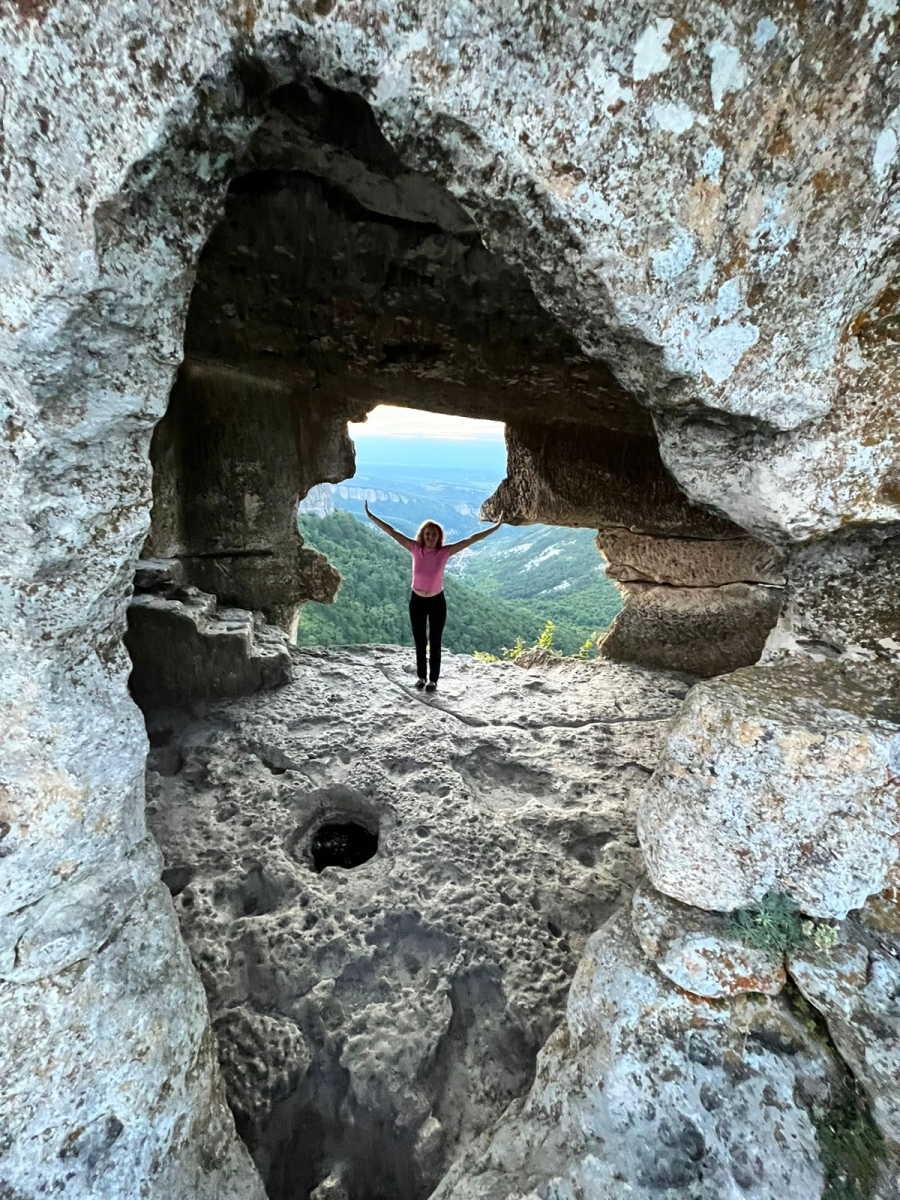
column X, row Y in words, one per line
column 433, row 610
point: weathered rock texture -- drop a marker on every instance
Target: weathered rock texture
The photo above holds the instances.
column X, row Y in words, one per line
column 715, row 629
column 372, row 1021
column 855, row 986
column 646, row 1091
column 778, row 779
column 844, row 598
column 706, row 201
column 231, row 459
column 185, row 649
column 699, row 594
column 699, row 951
column 103, row 993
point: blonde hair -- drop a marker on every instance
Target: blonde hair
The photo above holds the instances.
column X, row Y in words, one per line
column 420, row 534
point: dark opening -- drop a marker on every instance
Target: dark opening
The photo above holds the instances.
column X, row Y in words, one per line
column 347, row 845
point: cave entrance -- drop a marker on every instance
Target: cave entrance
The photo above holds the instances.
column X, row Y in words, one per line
column 523, row 585
column 335, row 281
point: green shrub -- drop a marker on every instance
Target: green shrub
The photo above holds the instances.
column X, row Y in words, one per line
column 545, row 641
column 513, row 653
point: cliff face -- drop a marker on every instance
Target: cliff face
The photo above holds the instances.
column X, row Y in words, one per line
column 661, row 247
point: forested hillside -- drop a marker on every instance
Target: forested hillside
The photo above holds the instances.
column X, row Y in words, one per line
column 372, row 604
column 559, row 573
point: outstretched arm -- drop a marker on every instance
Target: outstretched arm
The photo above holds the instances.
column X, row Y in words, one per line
column 405, row 542
column 455, row 547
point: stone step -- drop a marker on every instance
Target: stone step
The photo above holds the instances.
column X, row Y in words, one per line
column 185, row 649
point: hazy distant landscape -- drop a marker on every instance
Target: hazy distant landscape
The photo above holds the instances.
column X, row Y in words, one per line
column 506, row 587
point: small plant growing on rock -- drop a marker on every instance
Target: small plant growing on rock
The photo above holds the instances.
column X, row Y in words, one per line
column 545, row 641
column 774, row 926
column 821, row 936
column 484, row 656
column 514, row 651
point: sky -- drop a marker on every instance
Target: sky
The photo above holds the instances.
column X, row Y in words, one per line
column 386, row 421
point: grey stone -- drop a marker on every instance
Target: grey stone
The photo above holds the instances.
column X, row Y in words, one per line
column 647, row 1090
column 707, row 206
column 185, row 649
column 705, row 631
column 372, row 1021
column 698, row 951
column 780, row 778
column 689, row 562
column 855, row 985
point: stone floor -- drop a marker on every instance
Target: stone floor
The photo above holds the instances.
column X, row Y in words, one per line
column 373, row 1021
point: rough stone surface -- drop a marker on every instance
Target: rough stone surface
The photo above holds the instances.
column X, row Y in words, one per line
column 149, row 1116
column 373, row 1020
column 708, row 631
column 697, row 950
column 689, row 562
column 844, row 597
column 647, row 1091
column 707, row 615
column 698, row 188
column 856, row 988
column 709, row 204
column 186, row 649
column 783, row 778
column 585, row 476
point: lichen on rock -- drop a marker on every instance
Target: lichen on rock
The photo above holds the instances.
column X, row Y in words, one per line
column 781, row 778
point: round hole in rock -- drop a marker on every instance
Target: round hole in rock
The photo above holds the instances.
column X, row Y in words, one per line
column 344, row 844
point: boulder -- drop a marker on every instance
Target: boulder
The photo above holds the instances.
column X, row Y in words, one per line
column 856, row 988
column 783, row 778
column 647, row 1091
column 699, row 951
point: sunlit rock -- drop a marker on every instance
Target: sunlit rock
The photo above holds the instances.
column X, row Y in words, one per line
column 778, row 779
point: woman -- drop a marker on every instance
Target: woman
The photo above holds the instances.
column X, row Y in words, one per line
column 427, row 604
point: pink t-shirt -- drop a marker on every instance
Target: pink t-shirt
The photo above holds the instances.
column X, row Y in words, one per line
column 428, row 568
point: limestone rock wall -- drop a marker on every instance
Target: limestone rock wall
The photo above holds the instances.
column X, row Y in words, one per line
column 700, row 595
column 707, row 201
column 231, row 459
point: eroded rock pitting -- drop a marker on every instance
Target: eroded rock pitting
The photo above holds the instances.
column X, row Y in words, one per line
column 372, row 1021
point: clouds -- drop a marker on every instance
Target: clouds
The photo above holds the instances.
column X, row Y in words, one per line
column 388, row 421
